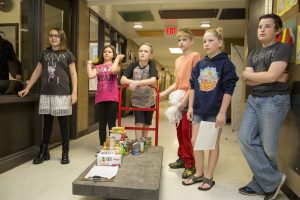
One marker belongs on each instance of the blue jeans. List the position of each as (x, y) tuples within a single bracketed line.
[(198, 118), (258, 139)]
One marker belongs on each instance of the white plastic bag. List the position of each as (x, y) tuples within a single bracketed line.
[(173, 114), (176, 96)]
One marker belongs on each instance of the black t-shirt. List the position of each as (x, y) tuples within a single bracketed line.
[(55, 75), (261, 59)]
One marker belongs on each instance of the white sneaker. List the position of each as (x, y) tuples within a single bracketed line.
[(272, 195)]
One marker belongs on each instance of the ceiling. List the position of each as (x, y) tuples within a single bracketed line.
[(156, 15)]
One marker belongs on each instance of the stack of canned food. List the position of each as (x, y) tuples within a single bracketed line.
[(134, 147), (125, 146)]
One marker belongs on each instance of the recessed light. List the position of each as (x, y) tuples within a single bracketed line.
[(175, 50), (138, 25), (205, 24)]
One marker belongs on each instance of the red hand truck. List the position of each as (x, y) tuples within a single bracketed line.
[(156, 109)]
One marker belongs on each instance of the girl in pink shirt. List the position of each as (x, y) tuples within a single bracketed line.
[(106, 98)]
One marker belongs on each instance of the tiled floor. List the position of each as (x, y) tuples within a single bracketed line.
[(53, 181)]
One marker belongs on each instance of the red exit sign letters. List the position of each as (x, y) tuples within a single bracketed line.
[(170, 30)]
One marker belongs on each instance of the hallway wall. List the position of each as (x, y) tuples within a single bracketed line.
[(82, 56), (289, 143)]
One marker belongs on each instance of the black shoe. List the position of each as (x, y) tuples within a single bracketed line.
[(43, 154), (246, 190), (65, 154), (273, 194)]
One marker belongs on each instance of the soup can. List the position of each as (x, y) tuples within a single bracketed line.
[(112, 142), (149, 142)]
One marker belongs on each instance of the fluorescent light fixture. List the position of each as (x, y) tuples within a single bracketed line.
[(205, 24), (175, 50), (138, 25)]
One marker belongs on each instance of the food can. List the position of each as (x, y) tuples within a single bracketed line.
[(142, 146), (127, 148), (145, 144), (112, 142), (130, 145), (136, 147), (121, 151), (149, 142)]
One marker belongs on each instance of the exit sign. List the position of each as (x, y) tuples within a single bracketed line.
[(170, 30)]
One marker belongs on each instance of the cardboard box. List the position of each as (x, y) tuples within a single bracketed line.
[(109, 158)]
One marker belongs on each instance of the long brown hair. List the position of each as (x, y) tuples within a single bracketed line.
[(101, 60), (63, 45)]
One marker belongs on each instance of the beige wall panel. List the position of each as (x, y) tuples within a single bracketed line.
[(82, 56), (289, 142), (235, 41)]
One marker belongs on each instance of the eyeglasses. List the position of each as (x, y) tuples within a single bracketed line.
[(53, 36)]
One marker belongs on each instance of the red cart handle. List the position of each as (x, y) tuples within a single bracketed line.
[(155, 109)]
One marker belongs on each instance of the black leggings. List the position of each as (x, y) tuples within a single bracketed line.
[(48, 123), (107, 112)]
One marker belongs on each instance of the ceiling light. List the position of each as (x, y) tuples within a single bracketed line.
[(175, 50), (205, 24), (138, 25)]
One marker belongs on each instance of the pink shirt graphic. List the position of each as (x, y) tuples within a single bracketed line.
[(107, 86)]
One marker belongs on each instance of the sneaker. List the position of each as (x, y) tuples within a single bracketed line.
[(188, 172), (177, 164), (273, 194), (246, 190)]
